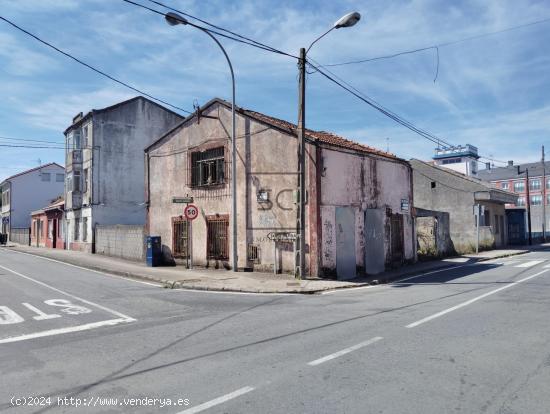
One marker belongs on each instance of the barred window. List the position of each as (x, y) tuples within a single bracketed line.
[(208, 167), (217, 240)]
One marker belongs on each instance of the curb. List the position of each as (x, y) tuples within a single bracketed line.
[(177, 284)]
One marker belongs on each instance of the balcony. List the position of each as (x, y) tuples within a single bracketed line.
[(74, 157), (74, 200)]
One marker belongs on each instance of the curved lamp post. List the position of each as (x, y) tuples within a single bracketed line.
[(347, 20), (173, 19)]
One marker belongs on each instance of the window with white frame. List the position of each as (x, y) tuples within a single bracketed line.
[(76, 229), (85, 229), (59, 178), (519, 186), (50, 229), (521, 201), (76, 181), (504, 185), (45, 177), (85, 182), (536, 200), (534, 184)]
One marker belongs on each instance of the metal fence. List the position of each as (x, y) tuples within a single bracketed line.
[(21, 235)]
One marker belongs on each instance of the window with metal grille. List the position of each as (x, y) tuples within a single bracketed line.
[(208, 167), (180, 238), (253, 253), (217, 240)]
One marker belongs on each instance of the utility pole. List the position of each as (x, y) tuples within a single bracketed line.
[(299, 247), (543, 197), (347, 20), (478, 213), (528, 196)]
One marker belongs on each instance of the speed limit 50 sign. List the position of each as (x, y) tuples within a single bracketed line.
[(191, 212)]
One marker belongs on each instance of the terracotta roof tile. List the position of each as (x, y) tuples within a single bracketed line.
[(322, 136)]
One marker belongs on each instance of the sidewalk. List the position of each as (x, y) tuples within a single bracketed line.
[(254, 282)]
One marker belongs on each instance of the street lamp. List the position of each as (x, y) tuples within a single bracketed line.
[(173, 19), (347, 20)]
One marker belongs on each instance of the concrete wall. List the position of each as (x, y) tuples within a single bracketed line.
[(453, 195), (124, 241), (363, 182), (117, 138), (20, 235), (266, 160)]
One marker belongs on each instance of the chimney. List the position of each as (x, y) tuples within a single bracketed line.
[(510, 163), (78, 117), (487, 165)]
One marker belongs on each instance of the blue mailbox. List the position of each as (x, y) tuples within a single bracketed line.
[(154, 251)]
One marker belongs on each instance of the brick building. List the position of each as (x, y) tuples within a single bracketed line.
[(508, 179)]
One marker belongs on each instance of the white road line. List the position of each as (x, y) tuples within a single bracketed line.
[(120, 315), (217, 401), (510, 262), (469, 302), (531, 263), (89, 270), (395, 281), (60, 331), (546, 266), (344, 351)]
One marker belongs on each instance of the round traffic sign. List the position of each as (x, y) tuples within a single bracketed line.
[(191, 212)]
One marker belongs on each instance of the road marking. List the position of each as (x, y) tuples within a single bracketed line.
[(469, 302), (89, 270), (344, 351), (60, 331), (106, 309), (217, 401), (531, 263), (342, 290)]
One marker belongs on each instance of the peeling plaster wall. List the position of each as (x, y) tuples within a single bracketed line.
[(267, 160), (362, 182)]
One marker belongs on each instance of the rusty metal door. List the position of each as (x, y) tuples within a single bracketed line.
[(180, 234), (217, 244), (345, 243), (374, 241), (396, 227)]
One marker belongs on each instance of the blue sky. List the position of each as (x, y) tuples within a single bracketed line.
[(492, 92)]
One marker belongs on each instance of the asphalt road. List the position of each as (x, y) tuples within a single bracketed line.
[(472, 339)]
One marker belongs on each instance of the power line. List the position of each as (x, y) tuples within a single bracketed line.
[(221, 28), (236, 39), (371, 102), (30, 146), (91, 67), (444, 44), (29, 140)]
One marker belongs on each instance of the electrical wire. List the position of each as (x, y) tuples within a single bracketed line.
[(438, 45), (263, 45), (30, 140), (30, 146), (91, 67), (250, 43), (371, 102)]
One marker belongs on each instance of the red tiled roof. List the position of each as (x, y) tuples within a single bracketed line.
[(322, 136)]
